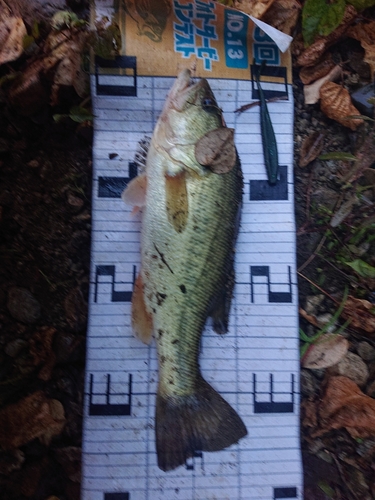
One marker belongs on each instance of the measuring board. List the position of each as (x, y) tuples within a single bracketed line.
[(255, 366)]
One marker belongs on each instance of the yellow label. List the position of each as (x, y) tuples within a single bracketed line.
[(213, 41)]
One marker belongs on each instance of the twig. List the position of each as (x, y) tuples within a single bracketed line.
[(313, 255), (245, 107), (318, 287)]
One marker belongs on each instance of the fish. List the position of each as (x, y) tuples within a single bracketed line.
[(190, 196)]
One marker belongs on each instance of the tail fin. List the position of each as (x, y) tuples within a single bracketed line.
[(203, 421)]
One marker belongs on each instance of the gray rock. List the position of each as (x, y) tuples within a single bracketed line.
[(366, 351), (313, 302), (22, 305), (352, 367), (14, 347), (308, 383)]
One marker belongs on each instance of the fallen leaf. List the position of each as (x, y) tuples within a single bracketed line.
[(283, 15), (216, 150), (327, 351), (344, 405), (321, 18), (339, 156), (343, 212), (42, 352), (363, 269), (309, 74), (361, 313), (312, 54), (365, 34), (35, 416), (12, 33), (308, 317), (256, 8), (312, 92), (336, 104), (311, 148)]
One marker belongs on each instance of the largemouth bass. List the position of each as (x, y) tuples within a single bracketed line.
[(190, 194)]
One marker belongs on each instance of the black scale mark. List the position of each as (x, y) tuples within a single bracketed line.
[(116, 296), (278, 72), (190, 463), (117, 496), (126, 67), (272, 406), (290, 492), (112, 187), (108, 408), (261, 190), (273, 297)]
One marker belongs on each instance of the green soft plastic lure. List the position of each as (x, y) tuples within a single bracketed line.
[(268, 135)]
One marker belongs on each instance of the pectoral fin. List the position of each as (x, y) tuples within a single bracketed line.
[(135, 192), (177, 200), (141, 319), (216, 150)]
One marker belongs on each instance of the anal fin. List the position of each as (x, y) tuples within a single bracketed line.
[(141, 319)]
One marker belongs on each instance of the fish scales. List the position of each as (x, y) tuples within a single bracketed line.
[(190, 219)]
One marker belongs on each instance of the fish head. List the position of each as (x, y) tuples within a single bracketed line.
[(190, 112)]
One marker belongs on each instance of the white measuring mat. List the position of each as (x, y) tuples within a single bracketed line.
[(255, 366)]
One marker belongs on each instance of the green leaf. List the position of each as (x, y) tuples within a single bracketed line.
[(321, 18), (361, 4), (80, 115), (325, 487), (27, 41), (35, 30), (362, 268), (337, 155)]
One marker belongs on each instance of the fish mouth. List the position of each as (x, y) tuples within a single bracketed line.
[(185, 90)]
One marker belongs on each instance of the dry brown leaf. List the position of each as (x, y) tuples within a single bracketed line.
[(63, 51), (312, 92), (336, 104), (309, 74), (359, 311), (312, 54), (216, 150), (365, 33), (308, 317), (345, 406), (311, 148), (283, 15), (256, 8), (35, 416), (327, 351), (12, 33)]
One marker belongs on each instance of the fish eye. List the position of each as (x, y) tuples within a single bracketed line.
[(209, 105)]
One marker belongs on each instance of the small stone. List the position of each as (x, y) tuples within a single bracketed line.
[(14, 347), (308, 383), (324, 319), (33, 164), (10, 461), (366, 351), (22, 305), (4, 145), (352, 367), (75, 201), (313, 302), (76, 309), (370, 390)]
